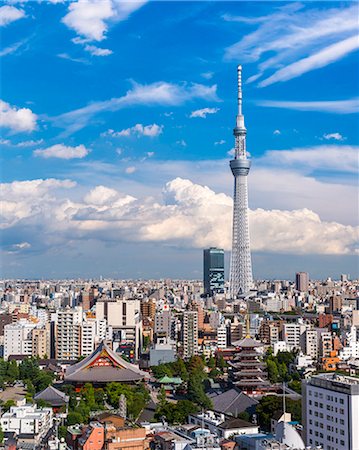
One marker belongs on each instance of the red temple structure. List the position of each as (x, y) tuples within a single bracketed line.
[(248, 373), (104, 366)]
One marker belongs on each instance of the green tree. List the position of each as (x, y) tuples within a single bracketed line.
[(221, 363), (180, 369), (196, 391), (1, 435), (74, 417), (8, 404), (272, 369), (62, 431), (176, 413), (211, 362), (162, 397), (12, 372)]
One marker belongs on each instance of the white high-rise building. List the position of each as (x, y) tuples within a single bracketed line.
[(190, 334), (222, 336), (330, 410), (18, 338), (240, 278), (124, 317), (88, 336), (69, 322), (292, 335)]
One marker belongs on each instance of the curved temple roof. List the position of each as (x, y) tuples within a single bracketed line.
[(104, 365)]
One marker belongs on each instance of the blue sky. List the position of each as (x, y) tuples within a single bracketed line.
[(116, 131)]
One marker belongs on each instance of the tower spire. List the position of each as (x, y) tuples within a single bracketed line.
[(239, 78), (241, 265)]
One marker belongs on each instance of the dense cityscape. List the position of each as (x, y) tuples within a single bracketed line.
[(226, 360), (174, 364)]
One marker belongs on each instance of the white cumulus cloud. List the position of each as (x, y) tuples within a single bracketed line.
[(62, 151), (9, 14), (91, 18), (203, 112), (188, 215), (17, 119)]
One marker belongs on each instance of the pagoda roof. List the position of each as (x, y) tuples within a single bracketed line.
[(52, 396), (104, 365), (247, 342)]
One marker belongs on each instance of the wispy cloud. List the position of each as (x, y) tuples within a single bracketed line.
[(322, 157), (159, 93), (295, 40), (334, 106), (334, 136), (138, 129), (97, 51), (320, 59), (71, 58), (202, 113), (12, 48)]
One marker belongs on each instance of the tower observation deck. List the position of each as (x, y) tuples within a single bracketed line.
[(241, 279)]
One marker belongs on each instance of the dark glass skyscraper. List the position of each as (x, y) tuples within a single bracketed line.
[(213, 270)]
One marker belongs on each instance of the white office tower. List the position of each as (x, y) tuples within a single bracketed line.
[(222, 336), (88, 336), (241, 279), (330, 410), (18, 338), (123, 316), (69, 333), (190, 334)]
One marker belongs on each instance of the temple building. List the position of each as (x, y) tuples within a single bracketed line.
[(247, 369), (103, 366), (53, 397)]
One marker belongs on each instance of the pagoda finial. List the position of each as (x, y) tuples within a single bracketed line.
[(248, 331)]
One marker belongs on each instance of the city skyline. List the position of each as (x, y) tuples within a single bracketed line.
[(116, 137)]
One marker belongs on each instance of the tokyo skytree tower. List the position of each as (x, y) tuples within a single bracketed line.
[(241, 279)]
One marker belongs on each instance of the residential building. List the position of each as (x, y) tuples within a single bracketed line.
[(124, 316), (30, 423), (330, 410), (41, 342), (190, 334), (88, 337), (302, 281), (69, 333), (18, 338)]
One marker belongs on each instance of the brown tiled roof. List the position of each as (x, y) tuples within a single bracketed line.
[(120, 370)]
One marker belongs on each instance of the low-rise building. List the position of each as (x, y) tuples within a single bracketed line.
[(29, 423)]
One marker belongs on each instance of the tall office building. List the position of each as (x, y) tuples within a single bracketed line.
[(330, 410), (302, 281), (241, 279), (190, 334), (213, 270), (69, 333), (124, 316)]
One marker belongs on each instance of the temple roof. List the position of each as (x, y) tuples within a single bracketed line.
[(104, 365), (247, 342), (52, 396)]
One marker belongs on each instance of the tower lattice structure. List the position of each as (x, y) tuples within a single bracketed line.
[(241, 279)]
